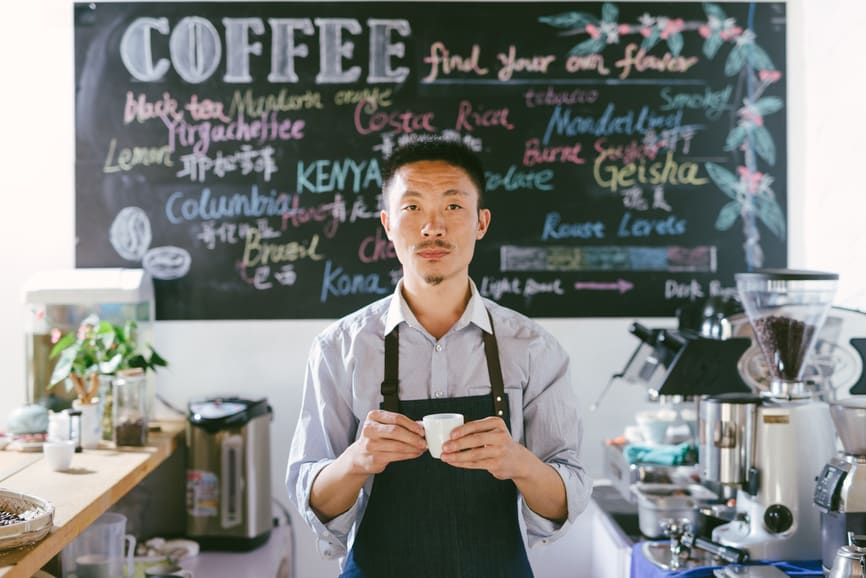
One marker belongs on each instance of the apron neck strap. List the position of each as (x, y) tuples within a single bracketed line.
[(391, 401)]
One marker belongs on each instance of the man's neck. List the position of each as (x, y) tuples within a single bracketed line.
[(437, 307)]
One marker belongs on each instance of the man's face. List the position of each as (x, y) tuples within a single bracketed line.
[(433, 221)]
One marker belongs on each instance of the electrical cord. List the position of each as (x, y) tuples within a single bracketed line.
[(288, 522)]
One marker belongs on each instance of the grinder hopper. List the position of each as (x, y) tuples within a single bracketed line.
[(786, 309)]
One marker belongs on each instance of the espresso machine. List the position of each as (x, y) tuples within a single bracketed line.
[(775, 444), (840, 491)]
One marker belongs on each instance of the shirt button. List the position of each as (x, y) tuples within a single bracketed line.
[(438, 347), (439, 394)]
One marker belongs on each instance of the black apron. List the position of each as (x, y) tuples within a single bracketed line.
[(427, 519)]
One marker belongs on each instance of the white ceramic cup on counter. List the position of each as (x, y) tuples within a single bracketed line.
[(437, 430), (58, 454)]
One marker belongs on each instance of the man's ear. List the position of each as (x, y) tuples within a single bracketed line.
[(483, 223), (383, 218)]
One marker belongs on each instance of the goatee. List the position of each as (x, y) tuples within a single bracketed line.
[(434, 279)]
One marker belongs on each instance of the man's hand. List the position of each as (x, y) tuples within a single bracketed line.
[(486, 444), (386, 437)]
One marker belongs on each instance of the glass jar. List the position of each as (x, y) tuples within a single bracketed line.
[(129, 409)]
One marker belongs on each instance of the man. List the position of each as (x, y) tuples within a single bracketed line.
[(358, 469)]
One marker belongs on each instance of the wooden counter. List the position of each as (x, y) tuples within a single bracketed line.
[(96, 480)]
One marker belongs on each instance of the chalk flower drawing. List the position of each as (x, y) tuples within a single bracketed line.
[(749, 189)]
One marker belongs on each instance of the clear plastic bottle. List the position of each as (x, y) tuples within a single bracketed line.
[(129, 412)]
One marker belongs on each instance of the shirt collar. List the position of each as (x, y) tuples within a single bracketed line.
[(476, 311)]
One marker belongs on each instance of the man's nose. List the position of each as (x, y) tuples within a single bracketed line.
[(434, 225)]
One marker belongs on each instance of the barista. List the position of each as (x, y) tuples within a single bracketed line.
[(358, 469)]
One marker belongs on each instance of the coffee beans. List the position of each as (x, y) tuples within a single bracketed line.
[(784, 342), (8, 518)]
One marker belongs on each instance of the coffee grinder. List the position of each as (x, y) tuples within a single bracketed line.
[(793, 433), (841, 489)]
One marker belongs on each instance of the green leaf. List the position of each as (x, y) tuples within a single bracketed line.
[(64, 366), (111, 365), (736, 137), (609, 12), (569, 20), (769, 105), (651, 40), (758, 58), (587, 47), (736, 60), (771, 214), (675, 43), (712, 44), (713, 10), (724, 179), (764, 145), (156, 359), (64, 342), (728, 216)]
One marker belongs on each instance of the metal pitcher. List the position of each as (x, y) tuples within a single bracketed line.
[(850, 561)]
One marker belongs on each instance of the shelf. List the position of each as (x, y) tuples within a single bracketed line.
[(97, 480)]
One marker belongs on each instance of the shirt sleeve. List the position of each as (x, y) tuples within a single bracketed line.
[(553, 431), (326, 426)]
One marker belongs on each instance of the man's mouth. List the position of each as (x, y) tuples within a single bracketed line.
[(433, 250)]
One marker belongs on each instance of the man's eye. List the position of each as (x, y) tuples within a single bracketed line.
[(454, 207), (410, 207)]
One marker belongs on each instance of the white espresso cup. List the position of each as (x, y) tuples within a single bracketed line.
[(437, 430), (58, 454)]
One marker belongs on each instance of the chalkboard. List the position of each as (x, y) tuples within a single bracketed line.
[(635, 152)]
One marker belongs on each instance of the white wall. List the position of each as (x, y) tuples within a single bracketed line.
[(826, 145)]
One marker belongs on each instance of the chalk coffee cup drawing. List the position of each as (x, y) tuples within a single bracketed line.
[(437, 430)]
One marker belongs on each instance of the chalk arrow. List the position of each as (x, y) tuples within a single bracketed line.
[(620, 285)]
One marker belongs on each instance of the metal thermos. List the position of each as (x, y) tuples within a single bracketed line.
[(726, 433), (228, 478)]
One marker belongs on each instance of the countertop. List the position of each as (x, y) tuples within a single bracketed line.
[(97, 479)]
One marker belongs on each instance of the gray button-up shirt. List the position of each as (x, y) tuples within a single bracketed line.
[(344, 375)]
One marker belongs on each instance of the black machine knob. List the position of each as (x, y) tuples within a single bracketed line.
[(778, 518)]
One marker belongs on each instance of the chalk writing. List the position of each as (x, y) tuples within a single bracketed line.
[(563, 123), (195, 49), (442, 62), (515, 179), (637, 60), (369, 119), (337, 283), (552, 97), (554, 228), (325, 176), (247, 161), (200, 136), (248, 104), (512, 63), (129, 158)]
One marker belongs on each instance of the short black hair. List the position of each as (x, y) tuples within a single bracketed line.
[(435, 149)]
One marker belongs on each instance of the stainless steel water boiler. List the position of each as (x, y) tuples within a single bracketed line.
[(228, 478)]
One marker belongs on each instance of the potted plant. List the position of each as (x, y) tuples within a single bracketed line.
[(98, 348)]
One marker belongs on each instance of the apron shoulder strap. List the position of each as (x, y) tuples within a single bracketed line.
[(392, 365), (494, 370)]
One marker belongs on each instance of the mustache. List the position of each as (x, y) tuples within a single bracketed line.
[(437, 243)]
